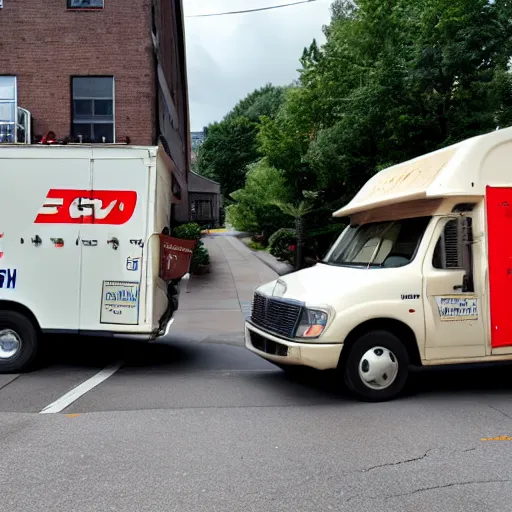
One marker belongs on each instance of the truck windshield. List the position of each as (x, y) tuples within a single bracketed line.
[(379, 244)]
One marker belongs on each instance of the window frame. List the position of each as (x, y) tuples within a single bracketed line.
[(72, 106), (84, 8), (328, 260), (14, 122)]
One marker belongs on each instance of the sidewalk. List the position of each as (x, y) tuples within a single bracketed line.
[(216, 304)]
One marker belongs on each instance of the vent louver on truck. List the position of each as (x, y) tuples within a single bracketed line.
[(453, 245)]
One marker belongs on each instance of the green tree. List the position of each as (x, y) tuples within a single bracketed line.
[(298, 212), (254, 209), (394, 80), (231, 144)]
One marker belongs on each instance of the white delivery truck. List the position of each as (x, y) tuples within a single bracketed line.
[(422, 275), (81, 245)]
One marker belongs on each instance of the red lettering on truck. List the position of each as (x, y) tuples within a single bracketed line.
[(64, 206)]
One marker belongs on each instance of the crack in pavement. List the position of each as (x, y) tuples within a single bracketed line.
[(432, 488), (500, 411), (387, 464), (10, 382)]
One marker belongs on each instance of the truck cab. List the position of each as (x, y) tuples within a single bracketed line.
[(421, 275)]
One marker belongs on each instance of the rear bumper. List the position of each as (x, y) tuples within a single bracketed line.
[(146, 336), (321, 356)]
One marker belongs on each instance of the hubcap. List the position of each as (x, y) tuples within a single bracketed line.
[(10, 344), (378, 368)]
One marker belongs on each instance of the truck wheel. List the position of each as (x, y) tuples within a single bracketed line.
[(18, 342), (377, 367)]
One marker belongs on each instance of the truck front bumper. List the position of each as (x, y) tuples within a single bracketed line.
[(321, 356)]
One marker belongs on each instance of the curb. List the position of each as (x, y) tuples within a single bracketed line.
[(279, 268)]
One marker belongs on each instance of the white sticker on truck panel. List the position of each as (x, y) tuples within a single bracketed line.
[(457, 307), (120, 303)]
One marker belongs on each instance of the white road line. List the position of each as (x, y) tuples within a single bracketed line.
[(73, 395)]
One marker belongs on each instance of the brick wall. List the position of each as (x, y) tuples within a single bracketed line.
[(43, 43), (172, 97)]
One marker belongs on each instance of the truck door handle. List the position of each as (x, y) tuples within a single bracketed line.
[(458, 287)]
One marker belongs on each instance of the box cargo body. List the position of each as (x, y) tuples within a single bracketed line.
[(80, 234)]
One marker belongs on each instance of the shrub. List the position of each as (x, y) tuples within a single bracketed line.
[(259, 239), (282, 244), (200, 256), (191, 231), (256, 246)]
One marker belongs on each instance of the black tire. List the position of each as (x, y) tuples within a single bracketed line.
[(350, 367), (27, 333)]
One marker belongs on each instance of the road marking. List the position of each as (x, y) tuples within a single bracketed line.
[(73, 395)]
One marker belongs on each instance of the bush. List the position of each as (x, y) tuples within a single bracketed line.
[(200, 256), (191, 231), (282, 244), (258, 239), (256, 246)]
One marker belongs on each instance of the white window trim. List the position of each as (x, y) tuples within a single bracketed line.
[(14, 122)]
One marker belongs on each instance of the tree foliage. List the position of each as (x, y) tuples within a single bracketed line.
[(231, 144), (394, 79), (255, 208)]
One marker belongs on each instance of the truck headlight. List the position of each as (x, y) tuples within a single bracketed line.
[(312, 323)]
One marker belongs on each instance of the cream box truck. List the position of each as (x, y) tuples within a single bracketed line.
[(422, 275)]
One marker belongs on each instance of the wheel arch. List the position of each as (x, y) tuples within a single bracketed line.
[(399, 329), (20, 308)]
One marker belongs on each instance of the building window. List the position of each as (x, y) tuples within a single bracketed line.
[(85, 4), (93, 109), (8, 108)]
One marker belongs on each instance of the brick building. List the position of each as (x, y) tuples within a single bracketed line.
[(97, 71)]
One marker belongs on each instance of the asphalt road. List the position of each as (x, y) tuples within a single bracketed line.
[(198, 427)]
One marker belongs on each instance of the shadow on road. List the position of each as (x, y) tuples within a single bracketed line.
[(183, 356), (461, 380)]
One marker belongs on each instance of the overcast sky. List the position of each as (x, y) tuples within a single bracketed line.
[(230, 56)]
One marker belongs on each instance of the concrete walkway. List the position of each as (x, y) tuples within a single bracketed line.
[(216, 304)]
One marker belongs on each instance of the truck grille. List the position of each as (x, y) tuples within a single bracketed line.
[(276, 315)]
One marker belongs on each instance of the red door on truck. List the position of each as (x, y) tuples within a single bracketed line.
[(499, 236)]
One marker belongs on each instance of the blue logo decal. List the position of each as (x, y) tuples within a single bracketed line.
[(8, 278), (132, 264)]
